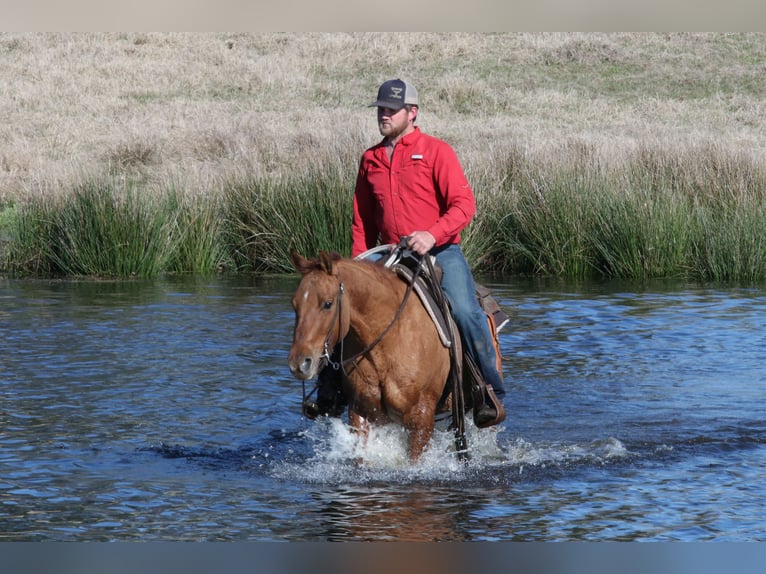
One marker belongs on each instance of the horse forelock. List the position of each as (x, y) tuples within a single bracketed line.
[(320, 277)]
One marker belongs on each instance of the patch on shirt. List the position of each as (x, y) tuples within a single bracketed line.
[(416, 156)]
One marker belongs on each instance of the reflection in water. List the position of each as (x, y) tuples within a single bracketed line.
[(386, 513), (164, 410)]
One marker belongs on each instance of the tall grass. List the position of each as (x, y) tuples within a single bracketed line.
[(108, 228), (310, 211), (100, 230), (200, 229), (700, 214), (105, 228)]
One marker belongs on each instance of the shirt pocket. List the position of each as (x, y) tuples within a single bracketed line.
[(416, 164)]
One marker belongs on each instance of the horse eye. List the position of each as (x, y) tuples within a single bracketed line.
[(327, 304)]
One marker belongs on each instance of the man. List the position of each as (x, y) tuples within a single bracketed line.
[(412, 185)]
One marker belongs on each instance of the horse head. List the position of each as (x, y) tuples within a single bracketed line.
[(321, 319)]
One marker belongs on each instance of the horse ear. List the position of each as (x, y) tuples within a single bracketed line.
[(301, 264), (327, 261)]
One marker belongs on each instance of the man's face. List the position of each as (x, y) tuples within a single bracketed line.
[(393, 123)]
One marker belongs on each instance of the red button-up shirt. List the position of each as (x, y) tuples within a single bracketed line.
[(422, 188)]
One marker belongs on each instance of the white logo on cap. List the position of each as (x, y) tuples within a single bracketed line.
[(396, 91)]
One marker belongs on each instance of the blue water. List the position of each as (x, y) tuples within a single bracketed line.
[(164, 410)]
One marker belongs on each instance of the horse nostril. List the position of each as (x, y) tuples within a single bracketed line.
[(302, 366)]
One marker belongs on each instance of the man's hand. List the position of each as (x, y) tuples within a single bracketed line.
[(421, 242)]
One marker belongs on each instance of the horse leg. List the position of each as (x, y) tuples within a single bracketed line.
[(361, 427), (420, 425)]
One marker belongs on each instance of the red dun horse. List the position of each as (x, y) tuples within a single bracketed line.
[(401, 377)]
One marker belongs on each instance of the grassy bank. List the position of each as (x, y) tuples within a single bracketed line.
[(105, 228), (630, 155), (701, 215), (698, 216)]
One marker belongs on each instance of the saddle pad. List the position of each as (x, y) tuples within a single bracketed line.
[(424, 292)]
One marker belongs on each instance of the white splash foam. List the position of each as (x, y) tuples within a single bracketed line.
[(339, 455), (522, 452)]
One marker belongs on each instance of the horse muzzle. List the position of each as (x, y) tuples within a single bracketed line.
[(304, 367)]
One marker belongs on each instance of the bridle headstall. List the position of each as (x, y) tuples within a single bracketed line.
[(341, 363)]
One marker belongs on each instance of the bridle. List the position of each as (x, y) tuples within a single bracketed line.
[(341, 363), (337, 319)]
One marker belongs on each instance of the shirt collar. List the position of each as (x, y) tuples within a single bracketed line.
[(406, 140)]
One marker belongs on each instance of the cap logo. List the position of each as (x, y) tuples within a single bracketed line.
[(394, 94)]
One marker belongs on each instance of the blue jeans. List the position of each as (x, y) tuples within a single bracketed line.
[(459, 288)]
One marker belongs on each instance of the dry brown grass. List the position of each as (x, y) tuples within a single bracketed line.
[(197, 109)]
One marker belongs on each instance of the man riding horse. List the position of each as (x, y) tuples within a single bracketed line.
[(412, 185)]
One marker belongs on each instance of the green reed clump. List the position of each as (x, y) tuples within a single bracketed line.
[(530, 219), (31, 234), (21, 239), (99, 229), (199, 239), (106, 228), (714, 200), (310, 211), (731, 245), (482, 242), (636, 235), (553, 224), (111, 228), (102, 229), (698, 215)]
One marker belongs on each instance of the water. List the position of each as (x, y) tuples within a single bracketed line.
[(164, 410)]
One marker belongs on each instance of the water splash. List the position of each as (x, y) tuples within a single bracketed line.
[(339, 456)]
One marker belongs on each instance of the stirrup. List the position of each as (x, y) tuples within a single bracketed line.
[(490, 411)]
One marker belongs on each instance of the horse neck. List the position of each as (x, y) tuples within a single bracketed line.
[(373, 296)]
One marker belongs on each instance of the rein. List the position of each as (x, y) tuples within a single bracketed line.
[(455, 375), (341, 364)]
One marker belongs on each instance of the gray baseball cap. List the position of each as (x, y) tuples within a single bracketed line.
[(395, 94)]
